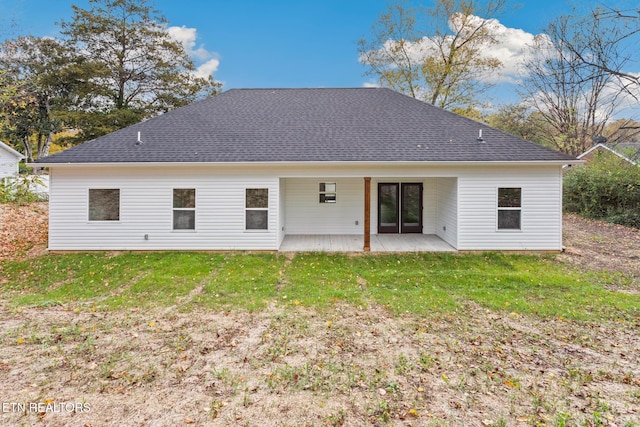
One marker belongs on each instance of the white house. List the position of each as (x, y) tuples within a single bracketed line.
[(9, 159), (257, 169), (617, 150)]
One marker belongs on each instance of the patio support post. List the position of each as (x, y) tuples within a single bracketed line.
[(367, 214)]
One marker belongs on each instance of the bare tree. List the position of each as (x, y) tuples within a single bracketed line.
[(574, 101), (605, 42), (436, 54)]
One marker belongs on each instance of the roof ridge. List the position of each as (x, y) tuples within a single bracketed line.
[(301, 88)]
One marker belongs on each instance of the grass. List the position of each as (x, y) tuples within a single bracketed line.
[(410, 283)]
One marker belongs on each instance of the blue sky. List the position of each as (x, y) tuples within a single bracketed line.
[(271, 43)]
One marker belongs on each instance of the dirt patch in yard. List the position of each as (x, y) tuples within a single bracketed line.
[(23, 229), (341, 366), (291, 365), (597, 246)]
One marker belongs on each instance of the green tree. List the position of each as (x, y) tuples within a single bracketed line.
[(35, 73), (519, 120), (132, 68), (436, 54)]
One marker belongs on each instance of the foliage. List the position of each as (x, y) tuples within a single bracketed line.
[(39, 73), (443, 66), (135, 70), (21, 189), (114, 66), (607, 188), (520, 121)]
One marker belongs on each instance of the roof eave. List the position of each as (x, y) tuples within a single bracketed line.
[(10, 150), (314, 163)]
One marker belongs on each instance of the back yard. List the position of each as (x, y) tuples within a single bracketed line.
[(323, 340)]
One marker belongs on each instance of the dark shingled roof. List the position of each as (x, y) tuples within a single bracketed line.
[(307, 125)]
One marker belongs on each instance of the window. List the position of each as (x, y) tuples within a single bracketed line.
[(327, 192), (104, 204), (256, 208), (184, 209), (509, 208)]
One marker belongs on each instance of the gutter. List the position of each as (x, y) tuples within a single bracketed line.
[(315, 164)]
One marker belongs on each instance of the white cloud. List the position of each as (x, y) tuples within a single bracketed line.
[(187, 37), (370, 84), (513, 45), (511, 49), (207, 62), (208, 68)]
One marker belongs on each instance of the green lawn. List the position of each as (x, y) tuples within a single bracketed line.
[(410, 283)]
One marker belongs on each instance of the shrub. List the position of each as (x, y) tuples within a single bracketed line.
[(608, 188), (21, 189)]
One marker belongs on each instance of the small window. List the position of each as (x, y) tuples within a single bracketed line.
[(104, 205), (184, 209), (327, 192), (509, 208), (256, 208)]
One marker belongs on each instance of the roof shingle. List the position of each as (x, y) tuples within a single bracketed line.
[(307, 125)]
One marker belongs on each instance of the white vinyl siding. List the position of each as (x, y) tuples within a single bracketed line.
[(305, 215), (146, 209), (460, 198), (447, 209), (429, 206), (8, 163), (541, 220)]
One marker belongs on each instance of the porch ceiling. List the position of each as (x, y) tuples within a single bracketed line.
[(354, 243)]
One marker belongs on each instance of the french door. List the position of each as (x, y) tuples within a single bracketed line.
[(400, 207)]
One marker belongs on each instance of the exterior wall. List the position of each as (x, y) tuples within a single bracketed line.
[(8, 163), (461, 198), (541, 220), (306, 215), (447, 210), (146, 196)]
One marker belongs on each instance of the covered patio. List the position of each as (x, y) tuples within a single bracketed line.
[(354, 243)]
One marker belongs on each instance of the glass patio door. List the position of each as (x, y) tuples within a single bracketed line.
[(411, 207), (388, 208), (400, 207)]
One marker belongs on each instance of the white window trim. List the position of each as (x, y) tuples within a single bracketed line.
[(498, 209), (335, 193), (244, 222), (195, 213), (114, 221)]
